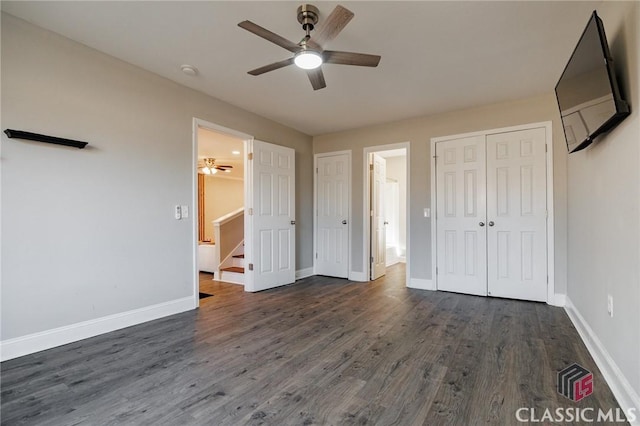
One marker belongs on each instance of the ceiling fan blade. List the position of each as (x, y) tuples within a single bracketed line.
[(316, 77), (350, 58), (271, 67), (270, 36), (331, 27), (222, 166)]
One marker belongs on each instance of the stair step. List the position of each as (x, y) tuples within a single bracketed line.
[(239, 256), (235, 269)]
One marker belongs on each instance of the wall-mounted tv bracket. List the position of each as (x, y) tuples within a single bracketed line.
[(19, 134)]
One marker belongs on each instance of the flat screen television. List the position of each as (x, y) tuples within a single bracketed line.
[(587, 92)]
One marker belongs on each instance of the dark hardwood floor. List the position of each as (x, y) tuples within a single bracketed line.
[(324, 351)]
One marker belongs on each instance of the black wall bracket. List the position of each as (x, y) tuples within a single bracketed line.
[(19, 134)]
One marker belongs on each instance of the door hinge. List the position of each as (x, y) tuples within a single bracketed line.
[(370, 166), (545, 147), (250, 266), (316, 170), (316, 255), (250, 156), (371, 213), (547, 279), (436, 270), (250, 212), (372, 260)]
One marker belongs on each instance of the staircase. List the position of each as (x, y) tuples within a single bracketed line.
[(234, 273), (229, 235)]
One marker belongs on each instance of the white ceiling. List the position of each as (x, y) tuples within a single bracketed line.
[(436, 56)]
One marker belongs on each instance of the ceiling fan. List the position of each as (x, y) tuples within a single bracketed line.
[(309, 53), (209, 167)]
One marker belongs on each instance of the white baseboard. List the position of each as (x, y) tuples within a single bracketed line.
[(626, 396), (36, 342), (559, 300), (421, 284), (304, 273), (358, 276)]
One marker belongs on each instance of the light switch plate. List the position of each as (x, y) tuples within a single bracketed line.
[(427, 212), (184, 211), (177, 212)]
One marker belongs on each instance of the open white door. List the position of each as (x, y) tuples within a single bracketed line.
[(271, 218), (332, 216), (378, 232)]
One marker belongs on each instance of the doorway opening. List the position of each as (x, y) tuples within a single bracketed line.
[(386, 209), (219, 199)]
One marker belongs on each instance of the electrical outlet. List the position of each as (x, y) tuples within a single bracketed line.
[(610, 305)]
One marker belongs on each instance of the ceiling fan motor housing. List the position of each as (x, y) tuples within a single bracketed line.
[(308, 16)]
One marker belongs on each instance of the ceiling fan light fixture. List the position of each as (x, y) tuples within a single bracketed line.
[(206, 170), (308, 59)]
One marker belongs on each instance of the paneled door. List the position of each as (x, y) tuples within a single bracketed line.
[(378, 176), (271, 217), (332, 215), (491, 215), (461, 216), (517, 215)]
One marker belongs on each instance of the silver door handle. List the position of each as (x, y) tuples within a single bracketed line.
[(481, 224), (293, 222), (386, 223), (491, 223), (344, 222)]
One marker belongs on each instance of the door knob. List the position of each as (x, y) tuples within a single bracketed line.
[(344, 222), (386, 223), (293, 222), (491, 223), (481, 224)]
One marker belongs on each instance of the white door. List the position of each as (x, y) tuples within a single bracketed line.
[(460, 214), (378, 231), (332, 215), (272, 217), (517, 215)]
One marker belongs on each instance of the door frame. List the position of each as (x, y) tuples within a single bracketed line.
[(552, 298), (248, 141), (348, 153), (366, 222)]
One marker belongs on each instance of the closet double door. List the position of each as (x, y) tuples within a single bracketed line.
[(491, 215)]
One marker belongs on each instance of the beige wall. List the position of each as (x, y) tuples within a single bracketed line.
[(604, 211), (418, 132), (92, 232), (221, 196)]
